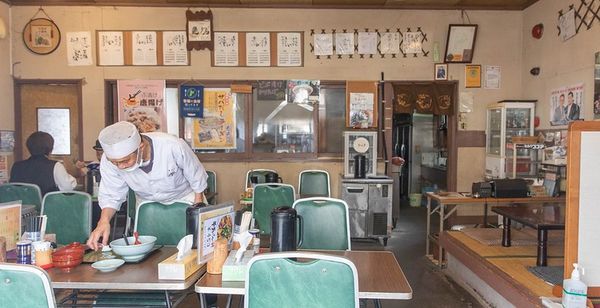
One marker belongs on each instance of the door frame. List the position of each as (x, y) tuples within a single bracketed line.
[(18, 83)]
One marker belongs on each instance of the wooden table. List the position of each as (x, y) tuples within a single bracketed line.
[(540, 217), (130, 276), (379, 277), (454, 198)]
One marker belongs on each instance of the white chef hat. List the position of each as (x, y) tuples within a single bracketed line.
[(119, 140)]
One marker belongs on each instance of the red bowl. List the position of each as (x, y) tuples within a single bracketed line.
[(68, 257)]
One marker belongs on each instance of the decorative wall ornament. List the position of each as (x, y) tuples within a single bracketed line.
[(41, 35), (199, 29), (586, 14)]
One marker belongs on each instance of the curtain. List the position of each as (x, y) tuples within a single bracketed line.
[(428, 98)]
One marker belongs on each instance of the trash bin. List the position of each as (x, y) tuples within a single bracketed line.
[(415, 200)]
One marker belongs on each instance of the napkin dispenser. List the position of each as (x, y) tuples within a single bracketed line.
[(172, 269)]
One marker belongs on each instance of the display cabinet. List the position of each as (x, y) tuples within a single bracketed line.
[(524, 166), (506, 119)]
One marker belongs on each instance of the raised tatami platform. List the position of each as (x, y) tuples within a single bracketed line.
[(502, 269)]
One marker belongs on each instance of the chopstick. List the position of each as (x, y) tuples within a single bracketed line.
[(125, 238)]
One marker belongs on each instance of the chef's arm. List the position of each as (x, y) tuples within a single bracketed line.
[(199, 197), (102, 229)]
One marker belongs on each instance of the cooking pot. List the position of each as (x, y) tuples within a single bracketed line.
[(283, 229), (272, 177)]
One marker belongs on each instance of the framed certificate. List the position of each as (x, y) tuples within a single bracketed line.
[(460, 43)]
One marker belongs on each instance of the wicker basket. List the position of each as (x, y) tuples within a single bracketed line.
[(524, 139)]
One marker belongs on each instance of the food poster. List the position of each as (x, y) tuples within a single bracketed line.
[(10, 223), (214, 225), (142, 102), (217, 129)]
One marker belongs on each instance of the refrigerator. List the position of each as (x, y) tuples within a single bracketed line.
[(401, 147)]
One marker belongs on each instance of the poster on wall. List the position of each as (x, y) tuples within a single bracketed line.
[(217, 129), (79, 48), (141, 102), (174, 48), (258, 49), (390, 43), (362, 106), (144, 48), (110, 48), (226, 49), (191, 100), (566, 104), (289, 49), (7, 140)]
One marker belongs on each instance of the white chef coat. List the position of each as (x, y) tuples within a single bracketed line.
[(176, 173)]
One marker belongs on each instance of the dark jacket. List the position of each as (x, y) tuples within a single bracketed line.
[(38, 170)]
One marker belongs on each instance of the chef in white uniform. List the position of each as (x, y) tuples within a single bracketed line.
[(156, 166)]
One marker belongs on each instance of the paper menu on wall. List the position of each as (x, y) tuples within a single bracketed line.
[(174, 48), (10, 223), (258, 49), (214, 223), (144, 48), (110, 48), (289, 49), (226, 49)]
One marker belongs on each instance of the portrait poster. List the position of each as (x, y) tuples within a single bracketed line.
[(10, 228), (362, 106), (226, 49), (144, 48), (110, 48), (566, 104), (142, 102), (174, 48), (472, 76), (191, 101), (79, 48), (216, 130), (213, 225)]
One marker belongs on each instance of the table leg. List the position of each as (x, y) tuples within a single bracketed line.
[(485, 214), (228, 304), (202, 298), (428, 225), (542, 247), (167, 299), (506, 231)]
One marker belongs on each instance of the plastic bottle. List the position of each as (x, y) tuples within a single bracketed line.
[(574, 290)]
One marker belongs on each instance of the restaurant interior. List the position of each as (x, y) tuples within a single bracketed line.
[(299, 153)]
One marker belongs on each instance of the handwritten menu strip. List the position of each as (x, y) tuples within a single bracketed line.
[(251, 49), (271, 90), (141, 48)]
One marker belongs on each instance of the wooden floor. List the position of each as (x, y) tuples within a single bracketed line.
[(503, 268)]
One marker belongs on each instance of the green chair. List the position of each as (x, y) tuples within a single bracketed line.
[(28, 194), (259, 173), (69, 215), (326, 223), (165, 221), (265, 198), (319, 280), (314, 183), (211, 190), (25, 286)]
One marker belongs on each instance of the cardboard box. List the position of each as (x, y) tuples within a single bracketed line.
[(233, 271), (171, 269)]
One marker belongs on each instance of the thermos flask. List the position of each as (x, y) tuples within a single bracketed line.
[(360, 166), (192, 214), (283, 229)]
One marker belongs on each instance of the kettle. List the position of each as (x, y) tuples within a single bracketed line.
[(283, 229), (272, 177), (360, 166)]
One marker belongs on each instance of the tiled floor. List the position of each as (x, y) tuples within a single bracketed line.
[(430, 287)]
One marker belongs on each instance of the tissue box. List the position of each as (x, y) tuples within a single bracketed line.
[(179, 270), (233, 271)]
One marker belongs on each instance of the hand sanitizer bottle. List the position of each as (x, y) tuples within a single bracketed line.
[(574, 293)]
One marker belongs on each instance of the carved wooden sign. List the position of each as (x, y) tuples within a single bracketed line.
[(199, 30)]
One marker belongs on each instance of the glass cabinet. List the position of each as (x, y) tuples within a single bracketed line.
[(505, 120)]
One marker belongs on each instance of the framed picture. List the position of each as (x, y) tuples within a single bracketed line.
[(41, 36), (199, 30), (473, 76), (460, 43), (440, 71)]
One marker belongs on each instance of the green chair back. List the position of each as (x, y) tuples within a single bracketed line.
[(326, 223), (314, 183), (25, 286), (265, 198), (69, 215), (275, 280), (259, 173), (212, 187), (28, 194), (165, 221)]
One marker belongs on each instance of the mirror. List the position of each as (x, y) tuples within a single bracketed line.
[(597, 87)]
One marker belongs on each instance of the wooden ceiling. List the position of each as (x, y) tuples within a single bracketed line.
[(343, 4)]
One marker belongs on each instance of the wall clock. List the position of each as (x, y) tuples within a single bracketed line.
[(41, 36)]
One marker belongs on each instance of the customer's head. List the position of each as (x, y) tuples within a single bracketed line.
[(98, 148), (40, 143)]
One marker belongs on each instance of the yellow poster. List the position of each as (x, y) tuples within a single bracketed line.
[(216, 130), (10, 223)]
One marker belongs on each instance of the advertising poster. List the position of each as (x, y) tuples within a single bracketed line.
[(7, 140), (191, 100), (216, 130), (142, 102), (566, 104)]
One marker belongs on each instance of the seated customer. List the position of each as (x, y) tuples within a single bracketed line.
[(38, 169)]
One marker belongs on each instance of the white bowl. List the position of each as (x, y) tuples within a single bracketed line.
[(133, 252), (107, 266)]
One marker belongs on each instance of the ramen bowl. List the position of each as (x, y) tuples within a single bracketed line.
[(133, 252)]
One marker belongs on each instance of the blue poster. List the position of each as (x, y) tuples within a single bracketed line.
[(191, 100)]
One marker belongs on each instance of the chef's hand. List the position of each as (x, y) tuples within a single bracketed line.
[(198, 197), (102, 230)]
